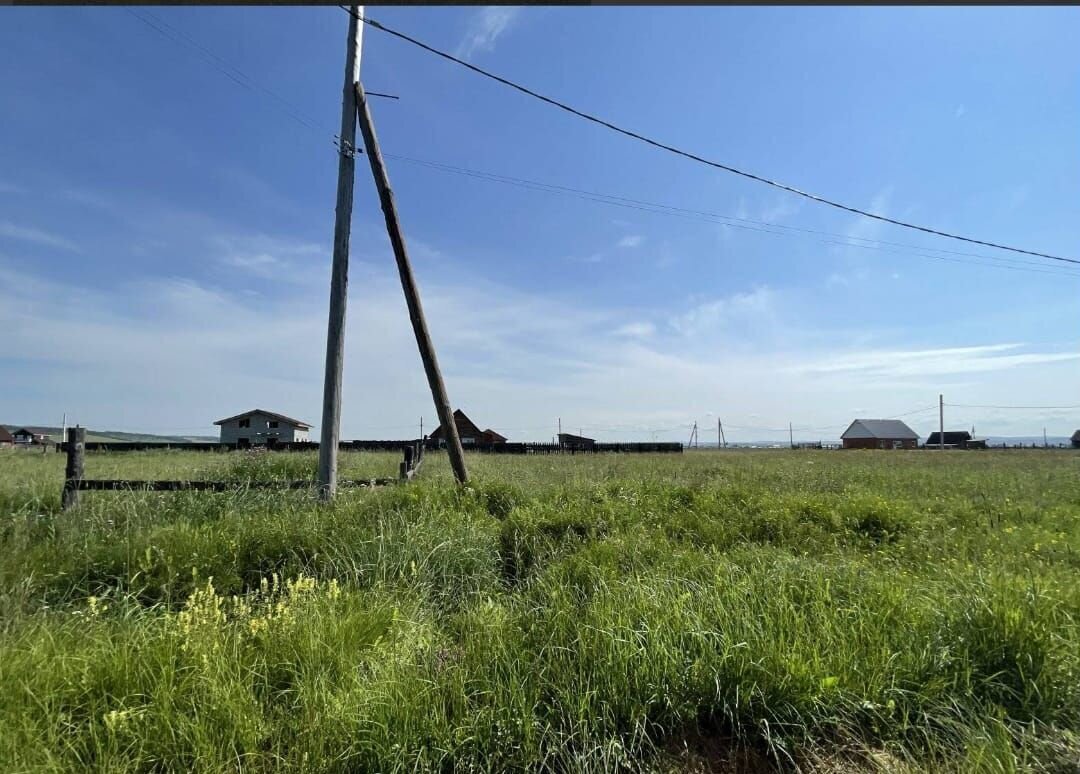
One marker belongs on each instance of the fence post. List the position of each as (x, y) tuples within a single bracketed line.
[(73, 472)]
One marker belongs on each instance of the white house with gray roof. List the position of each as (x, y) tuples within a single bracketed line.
[(879, 434), (260, 427)]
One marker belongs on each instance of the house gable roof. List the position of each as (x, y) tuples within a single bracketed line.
[(5, 435), (274, 415), (465, 427), (953, 437), (886, 429), (571, 438)]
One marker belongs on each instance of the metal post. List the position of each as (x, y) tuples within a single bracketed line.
[(339, 275), (73, 472), (412, 292)]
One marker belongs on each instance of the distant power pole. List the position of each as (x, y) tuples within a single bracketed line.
[(941, 422), (1045, 445), (339, 273), (790, 435), (421, 428), (720, 427)]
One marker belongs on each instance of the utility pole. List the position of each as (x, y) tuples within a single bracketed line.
[(790, 435), (720, 427), (560, 425), (412, 292), (421, 428), (329, 433), (1045, 445), (941, 422)]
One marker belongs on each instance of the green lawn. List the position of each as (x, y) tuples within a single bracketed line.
[(712, 611)]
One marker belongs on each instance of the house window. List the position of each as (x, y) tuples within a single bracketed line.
[(244, 423), (272, 424)]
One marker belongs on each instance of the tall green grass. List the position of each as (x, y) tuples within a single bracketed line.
[(821, 611)]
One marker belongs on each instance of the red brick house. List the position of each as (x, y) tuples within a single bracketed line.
[(879, 434), (468, 432)]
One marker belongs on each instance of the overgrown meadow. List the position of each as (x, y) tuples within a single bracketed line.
[(716, 611)]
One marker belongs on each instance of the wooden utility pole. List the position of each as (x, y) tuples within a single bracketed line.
[(412, 292), (790, 436), (941, 422), (329, 432)]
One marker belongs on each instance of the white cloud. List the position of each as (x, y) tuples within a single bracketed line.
[(756, 306), (960, 110), (632, 240), (933, 362), (636, 330), (486, 27), (269, 257), (173, 354), (35, 236)]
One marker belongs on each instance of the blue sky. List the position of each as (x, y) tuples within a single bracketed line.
[(165, 231)]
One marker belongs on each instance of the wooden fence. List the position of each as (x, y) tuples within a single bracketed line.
[(74, 482), (484, 448)]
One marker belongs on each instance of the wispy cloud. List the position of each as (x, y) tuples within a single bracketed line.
[(960, 111), (636, 330), (934, 362), (486, 27), (753, 307), (627, 242), (35, 236), (10, 188), (273, 258), (512, 358)]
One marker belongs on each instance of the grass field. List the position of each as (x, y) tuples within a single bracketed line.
[(712, 611)]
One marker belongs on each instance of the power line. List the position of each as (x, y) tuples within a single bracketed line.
[(916, 411), (238, 76), (1023, 408), (232, 71), (1017, 264), (693, 156)]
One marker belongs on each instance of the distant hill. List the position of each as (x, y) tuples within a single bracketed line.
[(114, 436)]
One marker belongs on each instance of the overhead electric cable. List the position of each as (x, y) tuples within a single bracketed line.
[(693, 156)]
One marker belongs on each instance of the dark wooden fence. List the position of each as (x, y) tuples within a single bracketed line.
[(485, 448), (76, 447)]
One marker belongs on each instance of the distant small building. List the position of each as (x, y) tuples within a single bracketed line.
[(879, 434), (576, 442), (260, 427), (29, 437), (1076, 440), (6, 438), (469, 433), (954, 439)]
